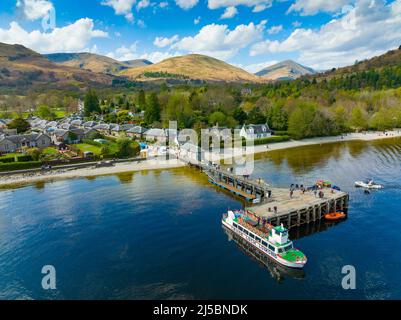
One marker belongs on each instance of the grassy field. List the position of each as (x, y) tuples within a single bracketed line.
[(10, 155), (88, 148), (50, 151)]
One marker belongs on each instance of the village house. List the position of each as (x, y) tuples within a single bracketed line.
[(136, 132), (253, 132), (190, 152), (16, 142), (156, 135), (8, 132), (103, 128)]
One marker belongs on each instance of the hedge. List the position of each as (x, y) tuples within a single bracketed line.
[(19, 166), (281, 133), (24, 158), (7, 159), (274, 139)]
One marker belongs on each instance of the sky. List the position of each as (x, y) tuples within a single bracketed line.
[(251, 34)]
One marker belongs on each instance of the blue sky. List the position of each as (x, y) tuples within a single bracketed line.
[(248, 33)]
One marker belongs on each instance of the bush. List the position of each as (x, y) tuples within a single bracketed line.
[(127, 148), (274, 139), (281, 133), (19, 166), (24, 158), (7, 159)]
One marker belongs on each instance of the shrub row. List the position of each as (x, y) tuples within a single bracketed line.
[(21, 158), (19, 165), (7, 159), (281, 133), (274, 139)]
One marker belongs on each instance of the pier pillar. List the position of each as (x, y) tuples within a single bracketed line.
[(314, 213), (299, 218)]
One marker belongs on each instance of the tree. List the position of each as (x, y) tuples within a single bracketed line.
[(299, 123), (91, 103), (45, 112), (127, 148), (256, 116), (20, 124), (277, 117), (142, 100), (340, 118), (152, 112), (240, 115), (35, 153), (358, 119), (217, 118)]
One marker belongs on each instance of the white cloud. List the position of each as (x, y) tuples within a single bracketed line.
[(370, 28), (275, 29), (308, 7), (71, 38), (256, 67), (257, 5), (197, 20), (229, 13), (35, 9), (186, 4), (131, 53), (121, 7), (218, 41), (165, 42), (142, 4), (296, 24)]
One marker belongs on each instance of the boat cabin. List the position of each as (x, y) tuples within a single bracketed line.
[(279, 235)]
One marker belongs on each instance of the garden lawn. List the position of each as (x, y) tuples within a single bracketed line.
[(88, 148)]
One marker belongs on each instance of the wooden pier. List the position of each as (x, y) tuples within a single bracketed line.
[(302, 208), (275, 205), (256, 191)]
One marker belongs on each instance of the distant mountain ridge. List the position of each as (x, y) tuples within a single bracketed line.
[(192, 67), (21, 67), (94, 62), (285, 70)]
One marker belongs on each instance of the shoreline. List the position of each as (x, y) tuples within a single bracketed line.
[(157, 164)]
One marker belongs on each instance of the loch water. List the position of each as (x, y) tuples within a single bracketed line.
[(158, 234)]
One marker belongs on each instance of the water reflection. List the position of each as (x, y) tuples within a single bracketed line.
[(277, 271), (126, 177)]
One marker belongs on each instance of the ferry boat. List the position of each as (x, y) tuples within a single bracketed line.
[(272, 241)]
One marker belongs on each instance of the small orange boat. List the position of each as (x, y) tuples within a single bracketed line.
[(335, 216)]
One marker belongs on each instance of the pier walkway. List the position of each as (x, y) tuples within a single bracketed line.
[(275, 205)]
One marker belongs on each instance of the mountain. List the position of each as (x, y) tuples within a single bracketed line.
[(387, 60), (22, 68), (192, 67), (95, 62), (286, 70), (137, 63)]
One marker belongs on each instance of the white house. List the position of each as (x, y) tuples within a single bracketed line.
[(253, 132)]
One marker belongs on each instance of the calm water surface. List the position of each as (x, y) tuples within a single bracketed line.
[(157, 234)]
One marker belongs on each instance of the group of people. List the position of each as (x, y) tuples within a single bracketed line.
[(317, 190), (294, 187)]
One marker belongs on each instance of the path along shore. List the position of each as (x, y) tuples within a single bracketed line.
[(159, 164)]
